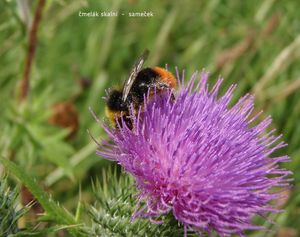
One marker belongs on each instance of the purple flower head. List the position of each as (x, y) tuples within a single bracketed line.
[(201, 159)]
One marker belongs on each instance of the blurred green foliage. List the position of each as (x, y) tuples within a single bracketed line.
[(255, 44)]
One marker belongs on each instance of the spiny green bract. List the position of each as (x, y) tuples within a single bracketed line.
[(111, 214), (9, 215)]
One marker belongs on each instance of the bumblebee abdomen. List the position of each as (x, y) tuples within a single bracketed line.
[(166, 77)]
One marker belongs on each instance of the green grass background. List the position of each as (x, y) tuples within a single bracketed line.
[(255, 44)]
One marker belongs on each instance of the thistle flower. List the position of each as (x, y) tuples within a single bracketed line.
[(201, 159)]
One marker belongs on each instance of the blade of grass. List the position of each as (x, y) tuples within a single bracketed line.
[(108, 35), (285, 58), (163, 34), (282, 91), (263, 10)]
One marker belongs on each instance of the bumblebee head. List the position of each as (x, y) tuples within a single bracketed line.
[(114, 101)]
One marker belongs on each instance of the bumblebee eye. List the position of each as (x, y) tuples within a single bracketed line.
[(128, 101)]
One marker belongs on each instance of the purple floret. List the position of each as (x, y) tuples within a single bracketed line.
[(201, 159)]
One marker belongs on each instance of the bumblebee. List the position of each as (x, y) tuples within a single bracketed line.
[(140, 82)]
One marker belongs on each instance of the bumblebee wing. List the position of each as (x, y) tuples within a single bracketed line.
[(133, 74)]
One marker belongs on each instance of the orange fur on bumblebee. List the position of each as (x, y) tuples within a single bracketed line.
[(135, 89)]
